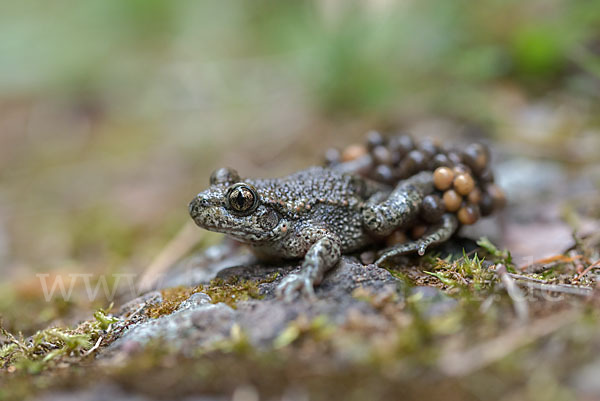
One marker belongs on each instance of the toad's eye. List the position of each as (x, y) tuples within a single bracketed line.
[(242, 198)]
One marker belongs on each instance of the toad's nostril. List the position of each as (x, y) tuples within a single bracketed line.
[(197, 204), (192, 207)]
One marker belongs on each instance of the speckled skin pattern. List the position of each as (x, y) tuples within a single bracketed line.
[(316, 214)]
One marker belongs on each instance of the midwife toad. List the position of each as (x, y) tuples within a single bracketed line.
[(322, 212)]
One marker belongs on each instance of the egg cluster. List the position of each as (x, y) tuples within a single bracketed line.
[(463, 180)]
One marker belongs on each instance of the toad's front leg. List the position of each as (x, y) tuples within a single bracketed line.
[(324, 253)]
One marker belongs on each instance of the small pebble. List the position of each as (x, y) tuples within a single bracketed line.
[(382, 155), (468, 214), (332, 156), (474, 196), (443, 178), (368, 257), (464, 184), (374, 139), (452, 200), (353, 152), (432, 209)]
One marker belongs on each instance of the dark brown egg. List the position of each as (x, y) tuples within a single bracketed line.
[(474, 196), (486, 204), (432, 208), (486, 175), (383, 173), (374, 139), (395, 156), (353, 152), (452, 200), (454, 157), (382, 155), (464, 184), (428, 147), (440, 160), (461, 168), (443, 178), (475, 157), (402, 144), (468, 214), (498, 197), (414, 161)]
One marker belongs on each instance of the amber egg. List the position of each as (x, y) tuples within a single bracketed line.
[(443, 178), (468, 214), (353, 152), (452, 200), (464, 183)]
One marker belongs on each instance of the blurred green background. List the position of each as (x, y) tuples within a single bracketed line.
[(114, 112)]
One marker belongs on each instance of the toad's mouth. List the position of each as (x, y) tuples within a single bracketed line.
[(237, 232)]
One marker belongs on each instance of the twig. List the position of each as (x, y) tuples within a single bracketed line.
[(543, 285), (94, 348), (547, 263), (587, 270), (562, 288), (577, 262), (515, 294), (526, 278)]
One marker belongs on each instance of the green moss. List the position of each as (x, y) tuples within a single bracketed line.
[(54, 345), (234, 289), (172, 298), (229, 291), (498, 256), (463, 274)]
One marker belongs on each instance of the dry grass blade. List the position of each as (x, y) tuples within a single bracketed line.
[(588, 269), (515, 294), (559, 288), (546, 263), (182, 243)]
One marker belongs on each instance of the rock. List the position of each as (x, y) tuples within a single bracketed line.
[(111, 392), (585, 380), (199, 322), (196, 299), (136, 304)]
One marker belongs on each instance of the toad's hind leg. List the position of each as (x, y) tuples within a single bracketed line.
[(439, 234), (401, 206)]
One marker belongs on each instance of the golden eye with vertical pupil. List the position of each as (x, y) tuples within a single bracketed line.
[(241, 198)]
